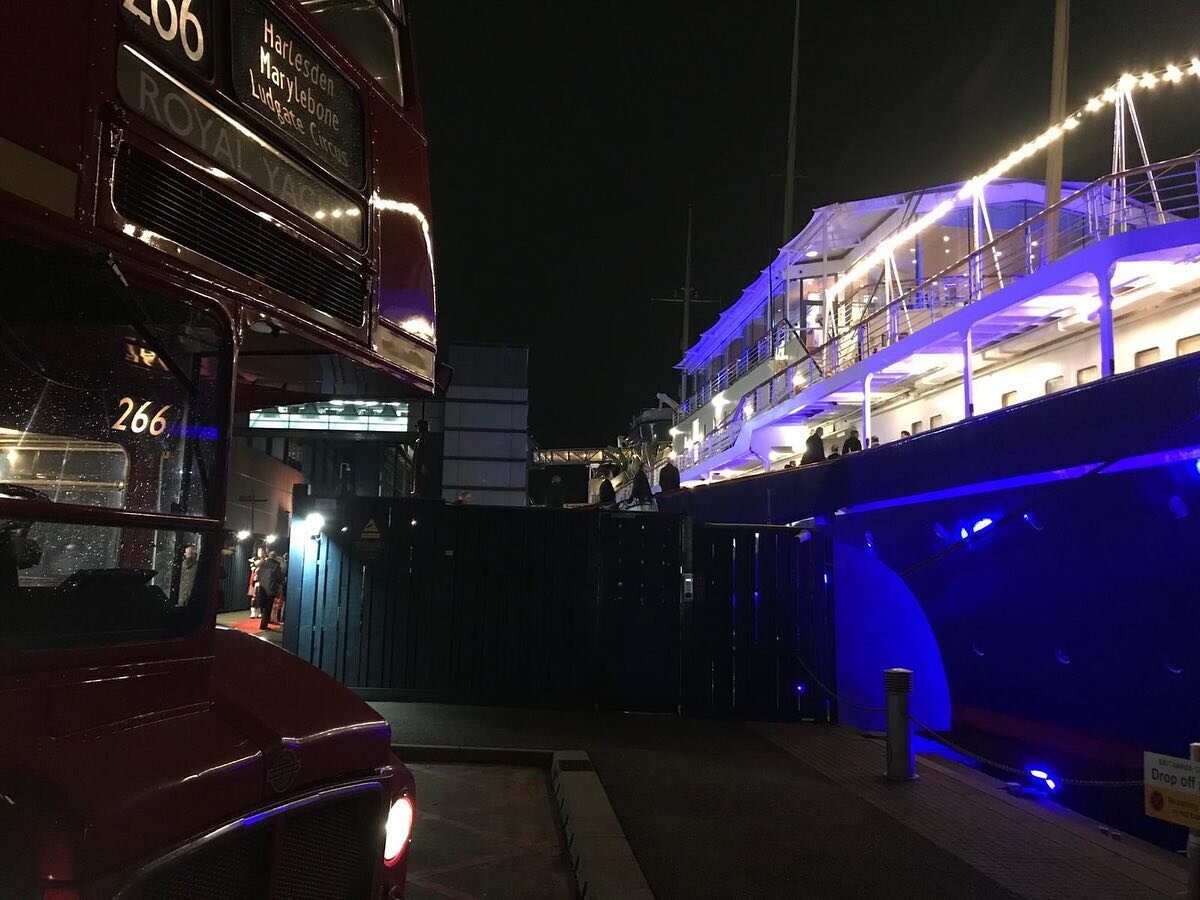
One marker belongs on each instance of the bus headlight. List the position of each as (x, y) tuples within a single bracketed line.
[(397, 831)]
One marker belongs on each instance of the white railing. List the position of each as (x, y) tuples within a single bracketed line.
[(751, 358)]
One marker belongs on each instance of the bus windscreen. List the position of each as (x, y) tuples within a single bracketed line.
[(111, 402)]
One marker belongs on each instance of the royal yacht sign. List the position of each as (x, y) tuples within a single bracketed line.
[(148, 90), (294, 88), (1172, 788)]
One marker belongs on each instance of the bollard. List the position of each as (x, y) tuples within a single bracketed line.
[(1193, 844), (897, 686)]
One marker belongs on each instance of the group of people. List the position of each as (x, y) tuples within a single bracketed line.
[(640, 492), (268, 587), (814, 447)]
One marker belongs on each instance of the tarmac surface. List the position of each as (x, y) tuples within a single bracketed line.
[(486, 831), (715, 809)]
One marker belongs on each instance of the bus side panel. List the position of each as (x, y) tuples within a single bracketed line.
[(405, 290), (43, 106)]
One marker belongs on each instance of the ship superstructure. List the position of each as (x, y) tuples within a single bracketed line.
[(1000, 301)]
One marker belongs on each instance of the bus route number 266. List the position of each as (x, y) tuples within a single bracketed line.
[(137, 418), (174, 21)]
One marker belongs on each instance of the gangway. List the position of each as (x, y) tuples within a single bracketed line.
[(585, 456)]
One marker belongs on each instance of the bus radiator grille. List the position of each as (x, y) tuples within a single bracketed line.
[(322, 852), (157, 197)]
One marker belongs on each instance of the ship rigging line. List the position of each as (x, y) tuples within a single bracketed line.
[(1120, 90)]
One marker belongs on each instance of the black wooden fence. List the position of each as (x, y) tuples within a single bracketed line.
[(639, 615), (403, 599), (761, 624)]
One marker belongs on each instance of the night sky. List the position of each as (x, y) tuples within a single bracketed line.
[(568, 137)]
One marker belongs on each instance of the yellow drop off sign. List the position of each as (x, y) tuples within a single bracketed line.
[(1172, 789)]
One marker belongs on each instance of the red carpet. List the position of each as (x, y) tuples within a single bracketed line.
[(252, 625)]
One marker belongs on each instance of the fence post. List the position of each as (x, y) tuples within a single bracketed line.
[(897, 686), (1193, 845), (687, 598)]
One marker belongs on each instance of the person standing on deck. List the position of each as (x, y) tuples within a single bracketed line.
[(641, 487), (814, 448), (555, 494), (608, 494), (668, 477)]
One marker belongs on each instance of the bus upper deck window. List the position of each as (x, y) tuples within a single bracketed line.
[(368, 34)]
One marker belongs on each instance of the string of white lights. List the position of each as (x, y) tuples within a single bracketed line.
[(1125, 85)]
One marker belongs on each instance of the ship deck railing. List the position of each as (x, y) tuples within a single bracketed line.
[(1129, 200)]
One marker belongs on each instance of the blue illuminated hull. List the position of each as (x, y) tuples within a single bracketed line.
[(1067, 614)]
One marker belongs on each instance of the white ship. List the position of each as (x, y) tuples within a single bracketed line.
[(1024, 536), (896, 315)]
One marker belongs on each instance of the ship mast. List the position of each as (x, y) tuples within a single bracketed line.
[(789, 175), (789, 182), (1058, 112)]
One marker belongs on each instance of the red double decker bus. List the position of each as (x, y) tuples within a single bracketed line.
[(206, 206)]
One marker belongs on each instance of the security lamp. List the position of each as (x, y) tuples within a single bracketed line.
[(313, 523)]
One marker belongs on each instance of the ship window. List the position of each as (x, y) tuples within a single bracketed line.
[(1008, 399), (1147, 357), (935, 421), (1187, 345), (1085, 376), (1055, 384), (917, 427)]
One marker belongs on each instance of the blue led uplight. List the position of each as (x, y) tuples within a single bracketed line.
[(978, 526), (1043, 776)]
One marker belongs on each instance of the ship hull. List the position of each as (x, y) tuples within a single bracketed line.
[(1038, 567)]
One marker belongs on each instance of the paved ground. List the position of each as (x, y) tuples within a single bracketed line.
[(1035, 848), (715, 810), (486, 831)]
